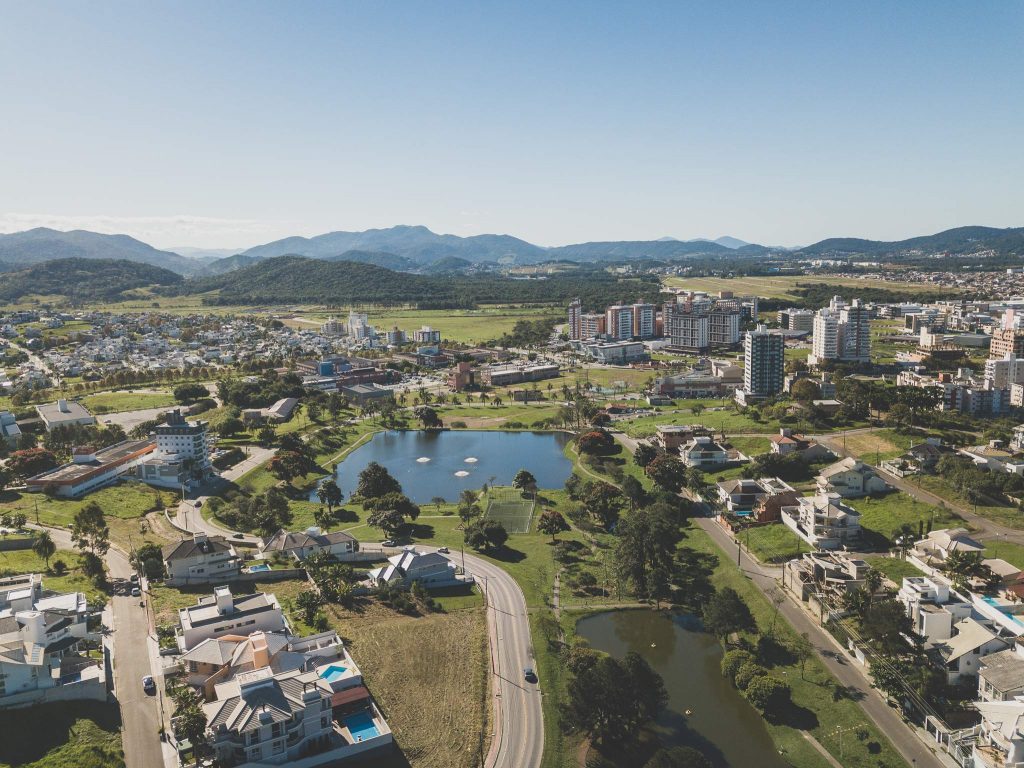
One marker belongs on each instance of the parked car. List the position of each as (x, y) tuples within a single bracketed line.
[(136, 592), (444, 550), (134, 578), (388, 543), (148, 684), (529, 675)]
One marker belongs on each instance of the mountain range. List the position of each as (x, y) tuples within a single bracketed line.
[(417, 249)]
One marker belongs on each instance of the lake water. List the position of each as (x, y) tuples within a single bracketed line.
[(721, 723), (446, 462)]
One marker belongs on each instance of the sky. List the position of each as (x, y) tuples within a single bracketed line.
[(227, 124)]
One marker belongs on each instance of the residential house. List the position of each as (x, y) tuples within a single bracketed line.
[(1001, 674), (994, 457), (936, 546), (431, 569), (10, 432), (960, 654), (223, 614), (200, 560), (1000, 741), (703, 453), (832, 573), (788, 442), (742, 496), (850, 478), (672, 437), (302, 544), (823, 521), (920, 458)]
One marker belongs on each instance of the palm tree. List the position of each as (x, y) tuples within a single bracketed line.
[(44, 547)]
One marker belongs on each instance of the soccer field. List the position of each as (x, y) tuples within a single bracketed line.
[(512, 511)]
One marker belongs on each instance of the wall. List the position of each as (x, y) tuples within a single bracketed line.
[(18, 542)]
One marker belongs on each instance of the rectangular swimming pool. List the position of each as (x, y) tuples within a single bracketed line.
[(260, 567), (361, 726)]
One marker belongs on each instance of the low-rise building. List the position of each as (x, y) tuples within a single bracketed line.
[(201, 560), (300, 545), (365, 393), (938, 545), (64, 413), (431, 569), (744, 497), (789, 442), (823, 521), (703, 453), (223, 613), (617, 352), (10, 432), (90, 469), (672, 437), (504, 375), (1001, 674), (831, 573), (850, 478)]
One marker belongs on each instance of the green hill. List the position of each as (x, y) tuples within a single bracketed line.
[(84, 280)]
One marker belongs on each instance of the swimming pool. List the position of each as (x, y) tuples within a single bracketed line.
[(260, 567), (361, 726), (332, 673)]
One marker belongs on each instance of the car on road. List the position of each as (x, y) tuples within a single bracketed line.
[(388, 543), (443, 550), (134, 578), (136, 592), (529, 675), (148, 684), (238, 536)]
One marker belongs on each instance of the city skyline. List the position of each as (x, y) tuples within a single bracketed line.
[(234, 125)]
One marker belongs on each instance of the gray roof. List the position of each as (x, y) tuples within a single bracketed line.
[(284, 541), (206, 612), (1004, 670), (190, 548)]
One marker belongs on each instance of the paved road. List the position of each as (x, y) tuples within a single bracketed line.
[(140, 718), (889, 722)]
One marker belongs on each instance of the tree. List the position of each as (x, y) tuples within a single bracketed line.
[(886, 623), (189, 393), (746, 673), (768, 694), (485, 534), (803, 650), (389, 512), (473, 535), (524, 481), (634, 491), (309, 602), (229, 427), (667, 472), (552, 523), (805, 390), (189, 723), (89, 529), (288, 465), (963, 567), (596, 441), (611, 700), (726, 613), (644, 454), (603, 501), (31, 461), (148, 560), (376, 481), (645, 552), (44, 547), (329, 493), (678, 757), (428, 417), (733, 660)]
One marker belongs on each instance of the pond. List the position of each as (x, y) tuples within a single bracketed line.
[(721, 723), (446, 462)]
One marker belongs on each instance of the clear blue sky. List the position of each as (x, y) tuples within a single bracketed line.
[(227, 124)]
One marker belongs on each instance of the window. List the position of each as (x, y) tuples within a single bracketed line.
[(325, 722), (278, 747)]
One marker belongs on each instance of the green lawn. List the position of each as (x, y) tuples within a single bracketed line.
[(125, 500), (881, 516), (114, 402), (772, 543), (815, 691), (62, 735), (1007, 515), (1005, 550), (26, 561), (895, 569)]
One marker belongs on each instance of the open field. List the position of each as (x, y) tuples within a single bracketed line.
[(815, 690), (894, 568), (429, 676), (62, 735), (772, 543), (26, 561), (124, 500), (1008, 515), (882, 516), (115, 402), (784, 286), (876, 446)]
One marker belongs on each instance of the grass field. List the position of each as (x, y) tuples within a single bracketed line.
[(115, 402), (429, 676), (894, 568), (772, 543), (1001, 513), (784, 286), (26, 561), (881, 445), (62, 735), (880, 517), (1006, 550), (508, 507)]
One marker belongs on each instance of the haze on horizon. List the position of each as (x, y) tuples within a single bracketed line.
[(231, 124)]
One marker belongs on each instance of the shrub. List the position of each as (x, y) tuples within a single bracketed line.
[(746, 673), (768, 693), (733, 660), (59, 567)]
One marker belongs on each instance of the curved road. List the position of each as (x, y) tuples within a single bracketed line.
[(518, 722)]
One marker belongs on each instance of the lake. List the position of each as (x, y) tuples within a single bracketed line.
[(446, 462), (721, 723)]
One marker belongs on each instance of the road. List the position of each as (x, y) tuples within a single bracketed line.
[(518, 730), (140, 717), (889, 722)]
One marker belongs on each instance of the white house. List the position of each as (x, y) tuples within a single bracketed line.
[(1000, 742), (961, 653), (936, 546), (301, 545), (200, 560), (1001, 675), (742, 495), (823, 521), (850, 478), (703, 453), (788, 442), (431, 569), (225, 614)]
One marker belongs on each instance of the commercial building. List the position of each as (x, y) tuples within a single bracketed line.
[(64, 413), (764, 365), (503, 375), (617, 353), (182, 456), (90, 469), (365, 393)]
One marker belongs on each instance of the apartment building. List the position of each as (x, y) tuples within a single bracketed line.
[(764, 365), (619, 322), (575, 326)]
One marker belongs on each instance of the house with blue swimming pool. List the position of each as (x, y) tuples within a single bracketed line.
[(200, 560)]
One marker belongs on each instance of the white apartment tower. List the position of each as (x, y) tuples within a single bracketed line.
[(619, 322), (643, 321), (575, 329), (825, 341), (855, 332)]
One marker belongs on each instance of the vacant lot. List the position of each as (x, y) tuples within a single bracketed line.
[(27, 561), (874, 446), (115, 402), (429, 676), (772, 543), (882, 517), (894, 568)]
